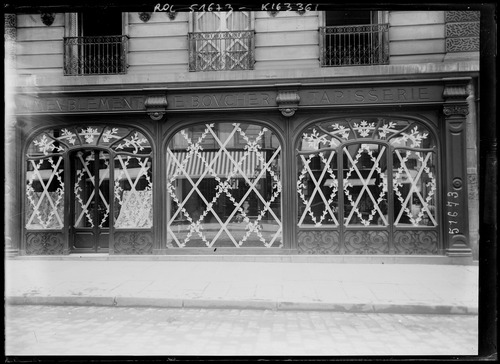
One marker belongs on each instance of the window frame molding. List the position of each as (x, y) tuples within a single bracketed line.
[(71, 26), (191, 21)]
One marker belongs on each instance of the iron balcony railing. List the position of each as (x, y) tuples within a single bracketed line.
[(354, 45), (218, 51), (95, 55)]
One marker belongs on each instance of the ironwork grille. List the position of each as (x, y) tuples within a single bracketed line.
[(354, 45), (95, 55), (218, 51)]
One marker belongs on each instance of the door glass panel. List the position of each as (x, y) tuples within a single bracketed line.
[(91, 189), (224, 187), (102, 186)]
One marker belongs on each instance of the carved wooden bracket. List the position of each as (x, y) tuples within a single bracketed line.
[(48, 18), (449, 110), (288, 102), (457, 91), (156, 106), (455, 94)]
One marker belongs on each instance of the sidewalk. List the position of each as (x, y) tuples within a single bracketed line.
[(365, 287)]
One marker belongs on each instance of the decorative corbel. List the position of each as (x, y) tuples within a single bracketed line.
[(455, 94), (156, 106), (145, 17), (449, 110), (288, 102), (48, 18)]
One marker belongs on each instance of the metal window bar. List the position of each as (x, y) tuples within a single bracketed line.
[(95, 55), (354, 45), (219, 51)]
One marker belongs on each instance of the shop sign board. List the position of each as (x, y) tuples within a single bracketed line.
[(308, 96)]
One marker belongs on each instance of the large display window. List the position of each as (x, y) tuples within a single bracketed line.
[(371, 182), (224, 187)]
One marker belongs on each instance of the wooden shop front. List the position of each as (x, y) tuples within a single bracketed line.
[(372, 168)]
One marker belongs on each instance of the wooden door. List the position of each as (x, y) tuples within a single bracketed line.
[(90, 197)]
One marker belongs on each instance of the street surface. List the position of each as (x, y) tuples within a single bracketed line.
[(83, 330)]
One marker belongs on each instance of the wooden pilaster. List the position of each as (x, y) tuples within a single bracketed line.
[(455, 194)]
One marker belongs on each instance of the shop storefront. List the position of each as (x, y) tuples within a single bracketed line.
[(371, 168)]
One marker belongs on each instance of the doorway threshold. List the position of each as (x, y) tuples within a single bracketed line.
[(92, 256), (329, 259)]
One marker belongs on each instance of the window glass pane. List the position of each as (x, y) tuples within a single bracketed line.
[(334, 18), (46, 143), (317, 187), (111, 135), (353, 38), (135, 142), (101, 22), (414, 177), (133, 192), (45, 193), (354, 153), (224, 187)]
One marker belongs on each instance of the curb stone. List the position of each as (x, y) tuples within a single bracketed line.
[(242, 304)]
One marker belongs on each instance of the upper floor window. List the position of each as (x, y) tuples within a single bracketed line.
[(96, 44), (221, 41), (354, 38)]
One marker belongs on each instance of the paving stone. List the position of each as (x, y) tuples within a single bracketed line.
[(415, 288), (39, 330)]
